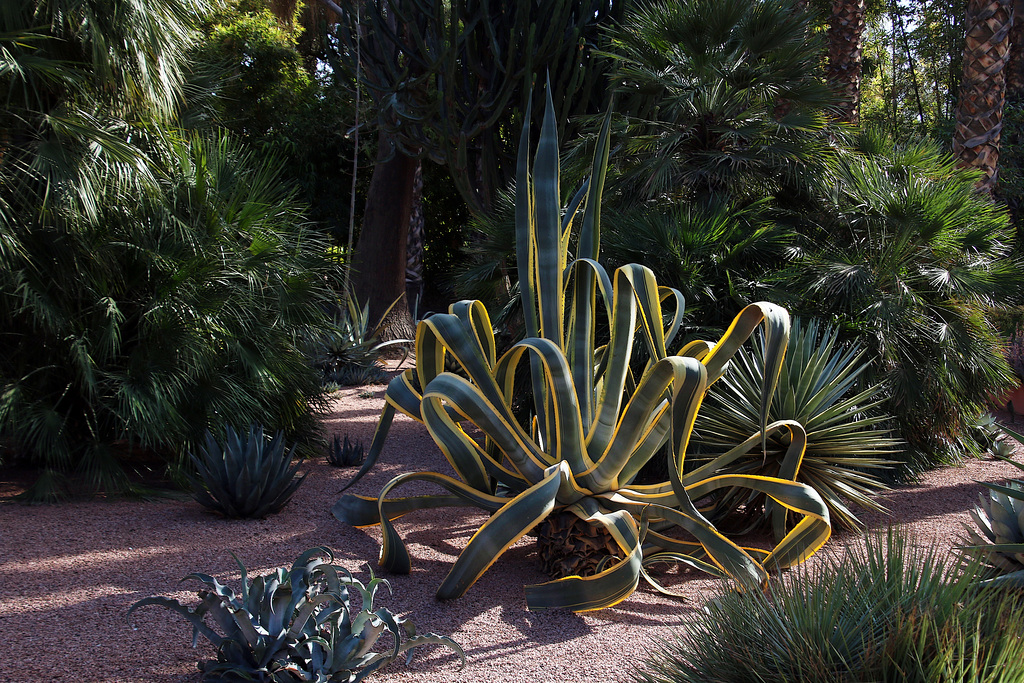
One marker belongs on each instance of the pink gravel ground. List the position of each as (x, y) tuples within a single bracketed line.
[(69, 572)]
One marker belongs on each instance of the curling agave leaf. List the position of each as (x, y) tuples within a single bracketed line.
[(363, 511)]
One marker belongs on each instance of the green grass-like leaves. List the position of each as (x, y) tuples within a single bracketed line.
[(887, 612)]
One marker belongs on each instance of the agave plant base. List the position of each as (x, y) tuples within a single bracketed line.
[(570, 546)]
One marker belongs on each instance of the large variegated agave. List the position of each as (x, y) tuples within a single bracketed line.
[(296, 624), (594, 425)]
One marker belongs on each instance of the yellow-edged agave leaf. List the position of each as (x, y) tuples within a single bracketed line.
[(466, 399), (641, 415), (504, 528), (594, 424), (776, 337), (581, 327)]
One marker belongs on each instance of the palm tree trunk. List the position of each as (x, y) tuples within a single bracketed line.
[(845, 53), (982, 93)]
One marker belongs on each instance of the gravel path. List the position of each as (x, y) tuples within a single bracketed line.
[(69, 572)]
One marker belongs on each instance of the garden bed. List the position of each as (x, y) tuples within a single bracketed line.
[(69, 572)]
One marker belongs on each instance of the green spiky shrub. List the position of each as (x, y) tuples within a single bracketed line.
[(246, 476), (152, 280), (848, 447), (999, 518), (297, 624), (345, 454), (592, 423), (349, 353), (886, 612)]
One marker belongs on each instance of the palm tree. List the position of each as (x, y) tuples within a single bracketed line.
[(845, 53), (720, 98), (983, 89), (910, 261)]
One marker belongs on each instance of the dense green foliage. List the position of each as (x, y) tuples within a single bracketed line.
[(720, 99), (890, 612), (152, 281), (909, 259), (297, 624), (283, 101), (246, 477)]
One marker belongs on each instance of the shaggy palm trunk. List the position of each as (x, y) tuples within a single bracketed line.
[(980, 110), (845, 52), (569, 546)]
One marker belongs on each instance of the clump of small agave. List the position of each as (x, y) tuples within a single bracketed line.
[(345, 454), (297, 624), (1000, 520)]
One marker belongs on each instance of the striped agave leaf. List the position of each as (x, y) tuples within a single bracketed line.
[(593, 426)]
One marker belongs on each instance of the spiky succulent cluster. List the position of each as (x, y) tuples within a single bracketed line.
[(1000, 519), (348, 355), (296, 624), (247, 477), (345, 454)]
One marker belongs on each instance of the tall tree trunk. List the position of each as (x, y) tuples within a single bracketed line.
[(379, 277), (979, 114), (845, 55)]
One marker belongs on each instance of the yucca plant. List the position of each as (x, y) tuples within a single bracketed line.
[(593, 425), (345, 454), (296, 624), (887, 612), (847, 446), (247, 477), (1000, 518)]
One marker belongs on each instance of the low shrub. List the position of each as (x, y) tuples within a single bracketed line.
[(888, 612), (246, 477), (297, 624)]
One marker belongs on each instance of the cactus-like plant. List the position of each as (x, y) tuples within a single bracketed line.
[(296, 624), (1000, 519), (247, 477), (846, 448), (594, 422), (345, 454)]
